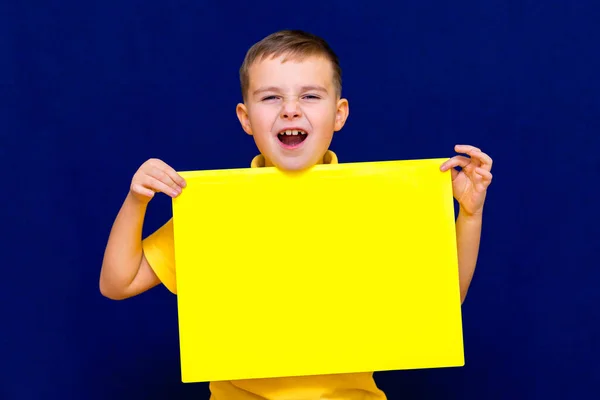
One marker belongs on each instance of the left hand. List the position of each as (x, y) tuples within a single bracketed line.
[(470, 185)]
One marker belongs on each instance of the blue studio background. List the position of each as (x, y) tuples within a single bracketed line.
[(90, 90)]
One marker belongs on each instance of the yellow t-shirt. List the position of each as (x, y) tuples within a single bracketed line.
[(159, 251)]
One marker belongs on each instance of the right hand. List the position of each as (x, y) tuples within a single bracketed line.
[(156, 176)]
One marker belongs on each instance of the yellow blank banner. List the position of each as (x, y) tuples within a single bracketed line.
[(343, 268)]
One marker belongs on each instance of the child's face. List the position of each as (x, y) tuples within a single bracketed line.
[(296, 97)]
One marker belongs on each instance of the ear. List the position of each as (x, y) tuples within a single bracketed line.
[(341, 114), (242, 114)]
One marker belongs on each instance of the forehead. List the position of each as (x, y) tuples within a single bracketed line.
[(286, 72)]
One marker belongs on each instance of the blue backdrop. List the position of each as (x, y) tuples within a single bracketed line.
[(92, 89)]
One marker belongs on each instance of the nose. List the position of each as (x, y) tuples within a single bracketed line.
[(290, 110)]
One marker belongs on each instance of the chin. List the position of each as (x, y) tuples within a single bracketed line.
[(292, 165)]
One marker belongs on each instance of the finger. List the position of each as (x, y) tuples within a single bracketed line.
[(480, 187), (159, 186), (456, 161), (465, 148), (139, 189), (477, 156), (483, 179), (485, 174), (178, 179), (164, 177), (167, 169), (485, 161)]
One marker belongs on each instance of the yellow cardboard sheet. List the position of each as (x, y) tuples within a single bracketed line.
[(343, 268)]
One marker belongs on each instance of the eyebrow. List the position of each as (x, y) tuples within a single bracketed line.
[(303, 89)]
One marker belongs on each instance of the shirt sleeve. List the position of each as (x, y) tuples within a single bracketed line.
[(159, 251)]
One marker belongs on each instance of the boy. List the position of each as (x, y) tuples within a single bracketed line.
[(292, 105)]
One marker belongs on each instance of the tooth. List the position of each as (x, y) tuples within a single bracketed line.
[(288, 132), (295, 133)]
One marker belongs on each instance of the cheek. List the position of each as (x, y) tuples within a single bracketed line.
[(322, 117), (260, 119)]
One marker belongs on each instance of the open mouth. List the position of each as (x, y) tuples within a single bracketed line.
[(292, 137)]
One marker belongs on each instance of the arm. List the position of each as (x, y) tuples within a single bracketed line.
[(468, 234), (125, 270), (469, 187)]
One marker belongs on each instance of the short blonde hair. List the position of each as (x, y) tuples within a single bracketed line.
[(295, 44)]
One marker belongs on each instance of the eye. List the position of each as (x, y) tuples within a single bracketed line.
[(269, 98), (312, 97)]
